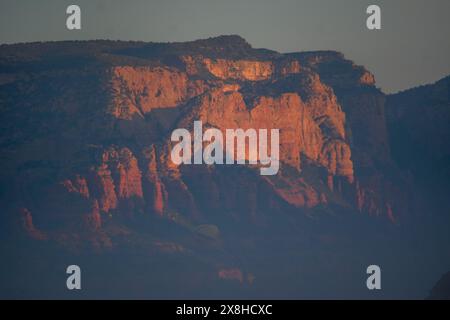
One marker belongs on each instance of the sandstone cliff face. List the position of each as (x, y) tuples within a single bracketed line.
[(229, 111), (366, 133), (140, 90), (288, 66), (107, 135), (240, 69)]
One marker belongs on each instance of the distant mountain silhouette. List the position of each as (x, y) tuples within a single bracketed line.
[(441, 291)]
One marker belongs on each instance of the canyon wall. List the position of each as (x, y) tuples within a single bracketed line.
[(89, 140)]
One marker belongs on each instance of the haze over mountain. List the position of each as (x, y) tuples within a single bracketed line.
[(86, 170)]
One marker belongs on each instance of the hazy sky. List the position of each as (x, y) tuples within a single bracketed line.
[(412, 48)]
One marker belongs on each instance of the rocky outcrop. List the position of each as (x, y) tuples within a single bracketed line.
[(158, 194), (103, 188), (27, 225), (336, 157)]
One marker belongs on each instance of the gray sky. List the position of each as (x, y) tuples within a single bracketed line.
[(412, 48)]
